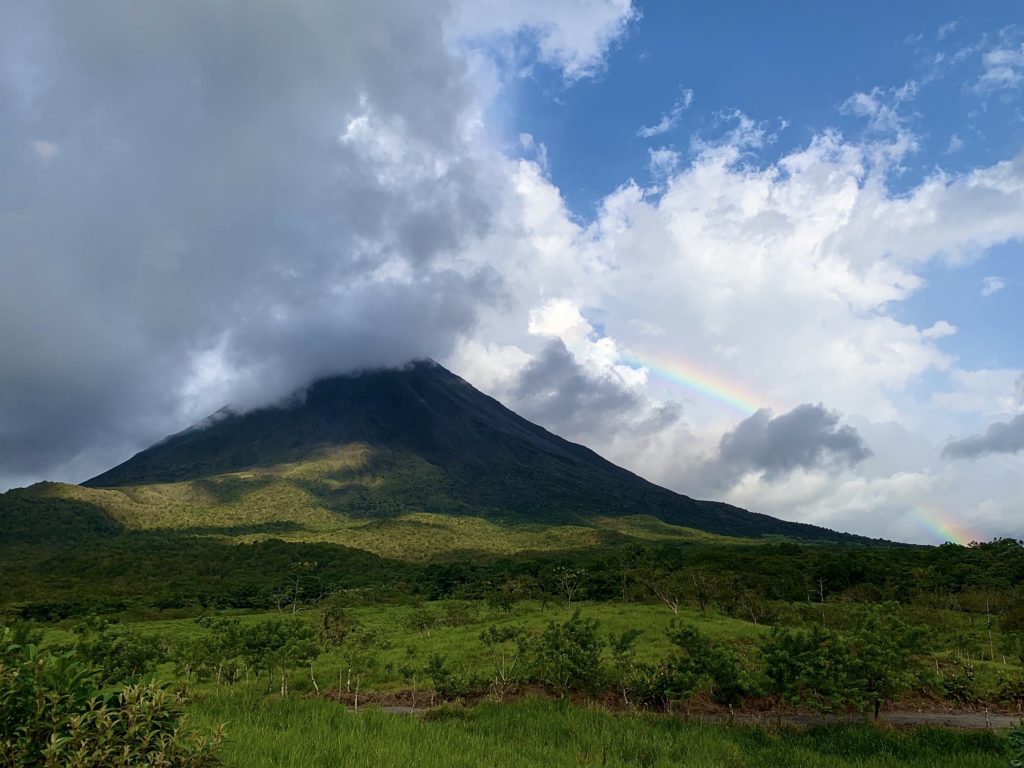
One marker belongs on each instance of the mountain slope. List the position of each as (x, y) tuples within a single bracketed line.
[(422, 440)]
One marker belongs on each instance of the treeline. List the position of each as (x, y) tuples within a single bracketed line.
[(197, 573)]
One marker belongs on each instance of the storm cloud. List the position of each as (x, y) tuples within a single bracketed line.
[(1001, 437), (218, 201), (807, 437), (558, 392)]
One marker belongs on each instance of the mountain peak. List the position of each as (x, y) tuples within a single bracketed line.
[(465, 452)]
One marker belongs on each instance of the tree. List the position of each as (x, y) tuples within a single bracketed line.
[(566, 656), (505, 645), (886, 654), (871, 665), (624, 663), (568, 581), (119, 654), (358, 653), (697, 662), (281, 645), (809, 667)]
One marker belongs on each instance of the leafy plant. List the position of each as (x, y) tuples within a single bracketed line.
[(52, 713)]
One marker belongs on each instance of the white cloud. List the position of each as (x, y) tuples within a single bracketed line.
[(572, 35), (662, 161), (991, 284), (44, 149), (1004, 69), (670, 119), (947, 29), (780, 279), (939, 330)]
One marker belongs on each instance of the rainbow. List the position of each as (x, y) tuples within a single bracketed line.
[(701, 381), (944, 526)]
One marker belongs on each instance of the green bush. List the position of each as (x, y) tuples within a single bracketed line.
[(566, 657), (1017, 747), (53, 714)]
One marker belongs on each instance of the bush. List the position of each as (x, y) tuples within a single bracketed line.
[(1017, 747), (53, 714), (449, 685), (566, 657), (119, 655)]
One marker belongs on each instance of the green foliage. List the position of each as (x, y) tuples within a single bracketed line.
[(118, 653), (449, 685), (1016, 739), (53, 714), (959, 683), (566, 656), (878, 659), (698, 661)]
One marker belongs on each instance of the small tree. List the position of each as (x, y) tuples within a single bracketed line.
[(359, 656), (567, 656), (624, 663), (886, 655), (119, 654), (568, 581), (410, 671), (505, 645)]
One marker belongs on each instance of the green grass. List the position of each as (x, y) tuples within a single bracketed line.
[(335, 497), (306, 733)]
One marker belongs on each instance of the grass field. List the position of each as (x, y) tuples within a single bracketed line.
[(307, 733)]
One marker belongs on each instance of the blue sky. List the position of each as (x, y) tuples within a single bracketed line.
[(792, 67), (797, 62)]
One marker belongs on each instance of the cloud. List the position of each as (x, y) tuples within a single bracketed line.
[(44, 149), (1004, 69), (778, 280), (955, 144), (1001, 437), (249, 196), (662, 161), (807, 437), (947, 29), (991, 284), (557, 391), (881, 107), (670, 119), (573, 35), (939, 330)]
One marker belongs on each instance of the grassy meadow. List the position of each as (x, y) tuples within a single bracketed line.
[(267, 732)]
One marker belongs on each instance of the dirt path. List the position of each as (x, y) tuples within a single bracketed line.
[(961, 720)]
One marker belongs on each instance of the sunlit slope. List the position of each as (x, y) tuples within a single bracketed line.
[(385, 445)]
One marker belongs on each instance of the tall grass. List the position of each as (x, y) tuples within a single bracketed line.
[(308, 733)]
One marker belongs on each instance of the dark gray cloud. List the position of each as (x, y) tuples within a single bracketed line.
[(224, 198), (807, 437), (558, 392), (1001, 437)]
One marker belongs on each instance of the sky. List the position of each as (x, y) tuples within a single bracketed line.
[(770, 255)]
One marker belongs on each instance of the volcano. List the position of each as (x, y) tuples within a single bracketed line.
[(420, 439)]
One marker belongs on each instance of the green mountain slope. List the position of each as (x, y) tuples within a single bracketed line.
[(417, 448)]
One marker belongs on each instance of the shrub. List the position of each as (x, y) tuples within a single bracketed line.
[(566, 657), (53, 714), (1017, 747), (449, 685)]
